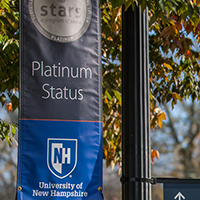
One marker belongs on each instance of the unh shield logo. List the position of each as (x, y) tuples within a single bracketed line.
[(61, 156)]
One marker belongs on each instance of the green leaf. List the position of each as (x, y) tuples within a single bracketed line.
[(190, 9), (13, 129), (10, 16), (102, 2), (197, 9), (5, 4), (169, 97), (152, 20), (118, 96), (4, 20), (116, 3), (108, 95), (162, 4), (8, 140)]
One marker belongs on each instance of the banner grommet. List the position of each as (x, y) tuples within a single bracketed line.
[(19, 188), (100, 189)]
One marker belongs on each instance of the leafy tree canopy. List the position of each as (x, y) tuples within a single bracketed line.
[(9, 63), (174, 60)]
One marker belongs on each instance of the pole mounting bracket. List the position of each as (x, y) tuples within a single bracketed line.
[(152, 180)]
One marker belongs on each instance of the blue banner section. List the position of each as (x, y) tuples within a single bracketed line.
[(61, 159)]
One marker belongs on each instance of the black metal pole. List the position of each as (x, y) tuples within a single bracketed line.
[(135, 108)]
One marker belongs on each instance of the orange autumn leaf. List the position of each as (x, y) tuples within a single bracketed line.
[(162, 117), (160, 122), (106, 100), (196, 2), (177, 96), (110, 39), (154, 153), (9, 107), (168, 66), (179, 26), (105, 152), (188, 53)]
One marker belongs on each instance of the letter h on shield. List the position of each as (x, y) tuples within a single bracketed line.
[(66, 155)]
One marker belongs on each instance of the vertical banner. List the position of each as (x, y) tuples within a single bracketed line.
[(60, 124)]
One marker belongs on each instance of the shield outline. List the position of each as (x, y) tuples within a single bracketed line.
[(76, 142)]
